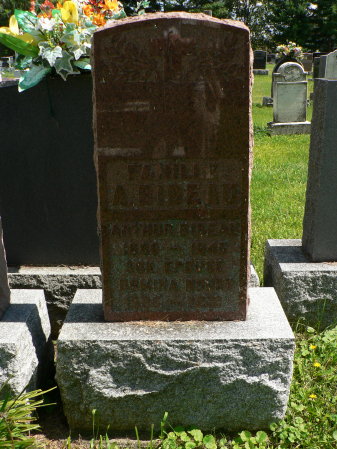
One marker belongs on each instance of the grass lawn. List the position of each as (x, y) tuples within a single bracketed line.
[(278, 180)]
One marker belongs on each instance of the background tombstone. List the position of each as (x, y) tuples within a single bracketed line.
[(331, 66), (4, 288), (316, 62), (307, 61), (289, 100), (322, 66), (260, 59), (173, 169), (170, 134)]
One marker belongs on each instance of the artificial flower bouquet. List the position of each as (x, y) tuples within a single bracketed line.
[(290, 49), (56, 38)]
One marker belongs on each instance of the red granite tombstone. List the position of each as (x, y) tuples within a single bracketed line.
[(172, 128)]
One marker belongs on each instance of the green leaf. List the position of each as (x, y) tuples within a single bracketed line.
[(273, 426), (172, 436), (261, 436), (23, 62), (209, 442), (49, 53), (32, 77), (334, 435), (190, 445), (196, 434), (83, 64), (18, 45), (120, 15), (64, 67), (223, 442), (26, 20), (245, 435)]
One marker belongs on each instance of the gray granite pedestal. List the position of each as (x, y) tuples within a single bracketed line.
[(307, 290), (60, 283), (25, 347), (213, 375)]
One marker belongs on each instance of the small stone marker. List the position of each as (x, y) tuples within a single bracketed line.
[(4, 288), (320, 218), (331, 66), (172, 134), (260, 59), (307, 61)]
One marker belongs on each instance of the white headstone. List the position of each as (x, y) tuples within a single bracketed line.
[(291, 71), (290, 102)]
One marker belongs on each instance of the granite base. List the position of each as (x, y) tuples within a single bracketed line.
[(307, 290), (25, 346), (289, 128), (213, 375), (60, 285)]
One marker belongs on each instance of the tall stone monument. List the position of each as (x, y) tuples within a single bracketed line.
[(304, 273), (172, 154), (172, 125), (4, 288)]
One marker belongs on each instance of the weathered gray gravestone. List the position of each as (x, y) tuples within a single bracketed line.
[(173, 138), (307, 61), (331, 66), (290, 100), (322, 66), (4, 288), (173, 168), (305, 283), (320, 218)]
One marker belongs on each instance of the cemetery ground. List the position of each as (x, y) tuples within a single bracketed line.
[(277, 197)]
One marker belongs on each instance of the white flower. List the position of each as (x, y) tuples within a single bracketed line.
[(46, 24)]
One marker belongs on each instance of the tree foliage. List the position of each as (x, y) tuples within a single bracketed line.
[(313, 25)]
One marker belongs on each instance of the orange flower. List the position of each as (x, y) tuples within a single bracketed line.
[(99, 19), (110, 5), (88, 10)]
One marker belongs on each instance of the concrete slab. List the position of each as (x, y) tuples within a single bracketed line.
[(25, 347), (213, 375), (307, 290)]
